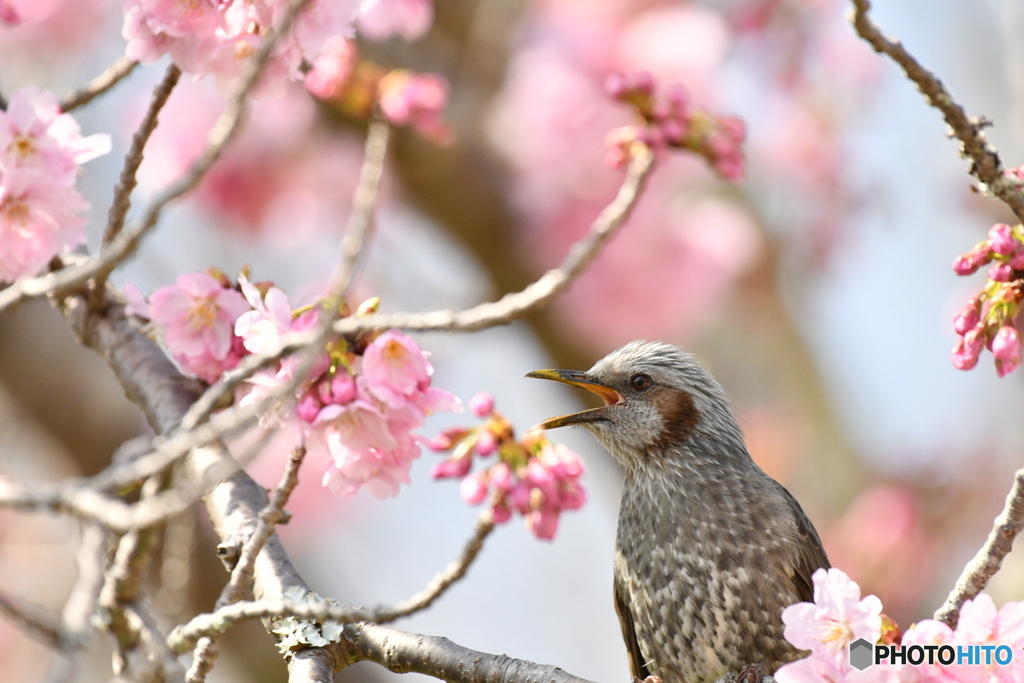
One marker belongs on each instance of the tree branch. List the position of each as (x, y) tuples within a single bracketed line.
[(985, 163), (99, 85), (404, 652), (33, 620), (987, 561)]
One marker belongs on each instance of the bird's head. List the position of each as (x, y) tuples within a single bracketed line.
[(657, 401)]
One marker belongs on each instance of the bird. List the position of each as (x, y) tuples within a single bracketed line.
[(709, 549)]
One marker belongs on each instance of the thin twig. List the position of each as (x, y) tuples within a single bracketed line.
[(227, 615), (987, 561), (222, 133), (985, 165), (240, 583), (33, 620), (360, 221), (548, 286), (133, 159), (449, 575), (99, 85)]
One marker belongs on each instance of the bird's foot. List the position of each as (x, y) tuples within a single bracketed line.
[(752, 673)]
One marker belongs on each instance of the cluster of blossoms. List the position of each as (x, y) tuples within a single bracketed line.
[(674, 121), (219, 36), (535, 477), (838, 616), (356, 86), (360, 402), (41, 151), (988, 319)]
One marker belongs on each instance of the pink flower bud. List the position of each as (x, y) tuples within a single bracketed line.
[(1005, 367), (543, 523), (520, 497), (733, 127), (485, 441), (1017, 260), (967, 318), (446, 439), (1006, 344), (974, 341), (308, 408), (501, 477), (452, 468), (501, 511), (1000, 272), (1001, 239), (482, 404), (964, 264), (473, 489), (961, 358), (343, 387)]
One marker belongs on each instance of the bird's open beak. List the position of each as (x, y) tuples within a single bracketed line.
[(579, 379)]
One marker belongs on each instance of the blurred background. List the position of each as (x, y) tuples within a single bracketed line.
[(819, 292)]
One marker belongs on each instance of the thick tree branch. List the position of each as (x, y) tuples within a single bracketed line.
[(987, 561), (404, 652), (99, 85), (985, 163)]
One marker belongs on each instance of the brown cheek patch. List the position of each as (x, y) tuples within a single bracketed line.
[(679, 414)]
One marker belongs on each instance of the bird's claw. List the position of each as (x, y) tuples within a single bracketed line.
[(752, 673)]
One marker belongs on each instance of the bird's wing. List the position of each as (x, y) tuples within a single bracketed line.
[(637, 666), (810, 554)]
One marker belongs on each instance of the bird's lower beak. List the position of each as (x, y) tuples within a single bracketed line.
[(578, 379)]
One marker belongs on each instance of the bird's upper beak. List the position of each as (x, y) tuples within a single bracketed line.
[(579, 379)]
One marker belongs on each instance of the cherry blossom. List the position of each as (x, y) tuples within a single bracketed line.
[(534, 477), (41, 151)]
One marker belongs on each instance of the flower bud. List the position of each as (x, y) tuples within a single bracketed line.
[(473, 488), (485, 441), (308, 407), (481, 404), (967, 318), (1000, 272), (1006, 344), (452, 468), (1001, 239)]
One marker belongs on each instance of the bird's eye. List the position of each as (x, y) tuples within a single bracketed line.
[(641, 382)]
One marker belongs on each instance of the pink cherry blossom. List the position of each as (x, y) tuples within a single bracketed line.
[(1001, 239), (37, 220), (394, 367), (930, 632), (1006, 349), (981, 624), (40, 153), (198, 315), (836, 618), (263, 327), (382, 19)]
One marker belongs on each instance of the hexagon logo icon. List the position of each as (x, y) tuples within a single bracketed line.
[(861, 654)]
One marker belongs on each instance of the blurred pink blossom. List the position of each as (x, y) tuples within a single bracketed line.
[(415, 100), (332, 68), (382, 19)]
